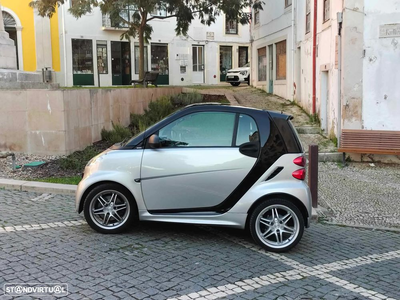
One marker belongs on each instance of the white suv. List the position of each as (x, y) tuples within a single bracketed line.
[(239, 75)]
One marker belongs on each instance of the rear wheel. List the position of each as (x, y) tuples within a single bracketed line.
[(235, 83), (109, 208), (277, 225)]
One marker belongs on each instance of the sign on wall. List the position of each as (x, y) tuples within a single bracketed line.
[(210, 35), (389, 30)]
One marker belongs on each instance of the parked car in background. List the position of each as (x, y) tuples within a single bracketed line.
[(236, 76), (205, 164)]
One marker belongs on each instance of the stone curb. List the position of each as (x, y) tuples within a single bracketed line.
[(368, 227), (38, 187)]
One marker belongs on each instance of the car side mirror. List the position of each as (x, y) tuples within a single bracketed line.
[(154, 141)]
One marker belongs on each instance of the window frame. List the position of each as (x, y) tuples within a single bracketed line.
[(256, 16), (136, 50), (279, 53), (102, 44), (326, 11), (88, 51), (308, 16), (288, 3), (258, 64), (228, 22)]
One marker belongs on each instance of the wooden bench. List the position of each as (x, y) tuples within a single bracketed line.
[(369, 141), (149, 78)]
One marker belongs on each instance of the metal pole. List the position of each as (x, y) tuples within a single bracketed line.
[(313, 173)]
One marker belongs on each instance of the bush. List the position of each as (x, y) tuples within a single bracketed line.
[(78, 160), (115, 135), (156, 111), (187, 99)]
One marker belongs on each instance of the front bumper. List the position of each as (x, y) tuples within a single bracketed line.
[(235, 77)]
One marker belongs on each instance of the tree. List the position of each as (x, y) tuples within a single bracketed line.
[(185, 11)]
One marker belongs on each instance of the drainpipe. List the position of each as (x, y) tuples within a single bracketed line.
[(314, 59), (293, 46), (65, 44), (339, 113)]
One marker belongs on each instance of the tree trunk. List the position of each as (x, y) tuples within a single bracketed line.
[(141, 53)]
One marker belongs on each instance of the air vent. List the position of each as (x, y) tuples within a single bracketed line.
[(274, 173)]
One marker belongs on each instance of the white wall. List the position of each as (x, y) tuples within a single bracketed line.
[(381, 91), (90, 27), (274, 26)]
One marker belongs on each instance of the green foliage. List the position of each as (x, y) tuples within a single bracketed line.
[(62, 180), (115, 135), (77, 160), (156, 111), (187, 99)]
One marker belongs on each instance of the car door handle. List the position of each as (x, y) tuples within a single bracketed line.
[(250, 149)]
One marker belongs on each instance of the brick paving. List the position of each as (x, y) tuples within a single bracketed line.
[(173, 261)]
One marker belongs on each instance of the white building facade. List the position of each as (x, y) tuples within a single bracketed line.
[(93, 53)]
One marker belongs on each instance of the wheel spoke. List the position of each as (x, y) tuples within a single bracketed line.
[(118, 209), (113, 198), (280, 234), (266, 222), (102, 201), (277, 237), (106, 218), (116, 216), (265, 233), (267, 236), (288, 229), (100, 212), (286, 218)]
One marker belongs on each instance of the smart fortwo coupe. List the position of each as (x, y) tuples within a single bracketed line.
[(205, 164)]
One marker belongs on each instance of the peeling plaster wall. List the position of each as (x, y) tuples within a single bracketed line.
[(352, 69), (381, 73)]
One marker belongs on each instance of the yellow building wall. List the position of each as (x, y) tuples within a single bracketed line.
[(26, 16)]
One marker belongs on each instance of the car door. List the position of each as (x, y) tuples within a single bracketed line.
[(200, 162)]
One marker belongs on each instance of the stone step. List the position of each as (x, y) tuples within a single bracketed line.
[(329, 157), (308, 130)]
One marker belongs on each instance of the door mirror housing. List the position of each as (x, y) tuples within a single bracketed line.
[(154, 142)]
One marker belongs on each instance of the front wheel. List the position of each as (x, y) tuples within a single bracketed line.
[(109, 208), (235, 83), (277, 225)]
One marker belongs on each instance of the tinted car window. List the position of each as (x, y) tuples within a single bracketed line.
[(247, 130), (205, 129)]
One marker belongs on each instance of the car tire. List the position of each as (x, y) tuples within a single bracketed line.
[(277, 225), (110, 208), (235, 83), (248, 80)]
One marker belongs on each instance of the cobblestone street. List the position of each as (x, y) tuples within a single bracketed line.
[(43, 240)]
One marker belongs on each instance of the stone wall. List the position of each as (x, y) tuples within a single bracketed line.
[(59, 122)]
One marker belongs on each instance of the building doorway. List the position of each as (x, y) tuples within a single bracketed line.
[(243, 56), (198, 64), (10, 27), (160, 62), (225, 61), (121, 63), (271, 69), (324, 100)]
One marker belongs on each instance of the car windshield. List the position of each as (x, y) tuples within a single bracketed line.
[(246, 65)]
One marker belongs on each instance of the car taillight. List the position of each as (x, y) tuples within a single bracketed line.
[(299, 174), (300, 161)]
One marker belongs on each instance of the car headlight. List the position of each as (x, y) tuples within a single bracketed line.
[(244, 73), (93, 160)]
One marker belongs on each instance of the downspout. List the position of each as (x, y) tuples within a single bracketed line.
[(65, 44), (293, 48), (314, 59), (339, 113)]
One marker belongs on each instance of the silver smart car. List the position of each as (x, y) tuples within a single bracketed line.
[(205, 164)]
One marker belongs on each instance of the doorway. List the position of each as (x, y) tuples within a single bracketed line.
[(243, 56), (121, 63), (324, 100), (160, 63), (225, 61), (271, 69), (198, 64), (10, 27)]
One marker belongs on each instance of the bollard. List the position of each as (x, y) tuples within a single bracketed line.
[(313, 173)]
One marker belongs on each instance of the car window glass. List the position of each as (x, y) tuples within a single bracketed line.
[(205, 129), (247, 130)]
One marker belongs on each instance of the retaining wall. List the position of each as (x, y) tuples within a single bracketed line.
[(59, 122)]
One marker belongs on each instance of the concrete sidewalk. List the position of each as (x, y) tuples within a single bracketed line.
[(38, 187)]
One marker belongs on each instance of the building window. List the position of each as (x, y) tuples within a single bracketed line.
[(256, 16), (102, 60), (308, 16), (160, 11), (137, 57), (231, 26), (327, 10), (82, 53), (243, 56), (288, 3), (159, 59), (125, 17), (262, 64), (281, 60)]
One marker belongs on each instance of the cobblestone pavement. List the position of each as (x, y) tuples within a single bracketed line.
[(42, 240), (360, 194)]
